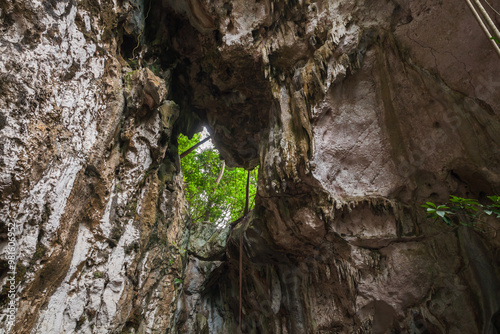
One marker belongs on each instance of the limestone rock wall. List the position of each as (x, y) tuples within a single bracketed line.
[(375, 108), (88, 172), (355, 112)]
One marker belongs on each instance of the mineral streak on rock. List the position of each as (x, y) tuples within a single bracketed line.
[(355, 112)]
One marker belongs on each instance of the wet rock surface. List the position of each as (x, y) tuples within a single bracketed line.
[(356, 113)]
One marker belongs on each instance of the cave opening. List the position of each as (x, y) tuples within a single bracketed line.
[(215, 193)]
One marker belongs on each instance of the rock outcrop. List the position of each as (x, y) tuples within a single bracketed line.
[(355, 112)]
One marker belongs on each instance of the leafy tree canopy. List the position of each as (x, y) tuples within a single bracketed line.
[(208, 201)]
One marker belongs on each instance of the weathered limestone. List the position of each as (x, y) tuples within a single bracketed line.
[(88, 177), (375, 109), (355, 112)]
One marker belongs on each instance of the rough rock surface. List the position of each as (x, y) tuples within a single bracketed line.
[(90, 178), (355, 112)]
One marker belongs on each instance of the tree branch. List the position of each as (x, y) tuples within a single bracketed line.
[(220, 173), (192, 148)]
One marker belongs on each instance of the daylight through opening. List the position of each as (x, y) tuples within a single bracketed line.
[(215, 192)]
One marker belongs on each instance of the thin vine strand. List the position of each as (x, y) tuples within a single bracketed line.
[(140, 34), (493, 9)]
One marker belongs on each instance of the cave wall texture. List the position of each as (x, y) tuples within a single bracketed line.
[(356, 112)]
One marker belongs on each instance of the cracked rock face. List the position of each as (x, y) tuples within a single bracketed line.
[(355, 113), (87, 174)]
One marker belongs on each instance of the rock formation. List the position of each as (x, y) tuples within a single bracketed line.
[(356, 112)]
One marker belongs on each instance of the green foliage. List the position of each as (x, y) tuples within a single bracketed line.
[(208, 201), (496, 40), (464, 211), (155, 68), (181, 250)]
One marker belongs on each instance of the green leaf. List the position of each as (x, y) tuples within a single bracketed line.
[(441, 213), (447, 220), (495, 200)]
